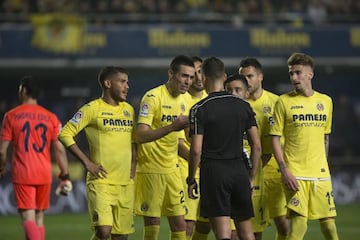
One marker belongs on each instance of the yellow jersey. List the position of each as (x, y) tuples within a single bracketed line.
[(304, 121), (158, 109), (110, 134)]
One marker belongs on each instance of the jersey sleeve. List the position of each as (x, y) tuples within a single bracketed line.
[(278, 120), (329, 120), (77, 123), (6, 133), (148, 107)]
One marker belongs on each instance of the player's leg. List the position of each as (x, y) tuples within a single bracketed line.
[(275, 201), (26, 204), (149, 197), (100, 200), (221, 227), (123, 203), (202, 229), (323, 207), (244, 229), (42, 203), (328, 228), (174, 205), (298, 205)]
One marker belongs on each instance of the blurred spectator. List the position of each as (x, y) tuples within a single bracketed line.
[(317, 12)]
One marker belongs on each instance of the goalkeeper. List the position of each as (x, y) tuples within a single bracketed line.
[(32, 130)]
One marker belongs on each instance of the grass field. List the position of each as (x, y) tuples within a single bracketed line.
[(76, 227)]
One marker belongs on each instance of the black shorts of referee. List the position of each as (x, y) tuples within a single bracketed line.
[(225, 189)]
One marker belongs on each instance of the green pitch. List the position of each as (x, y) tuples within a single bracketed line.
[(76, 227)]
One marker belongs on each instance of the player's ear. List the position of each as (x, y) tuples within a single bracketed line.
[(107, 83)]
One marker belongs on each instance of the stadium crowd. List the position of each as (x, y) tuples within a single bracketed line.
[(316, 12)]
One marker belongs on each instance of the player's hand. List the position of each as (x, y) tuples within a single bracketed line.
[(96, 170), (289, 180), (64, 188), (181, 122), (192, 189)]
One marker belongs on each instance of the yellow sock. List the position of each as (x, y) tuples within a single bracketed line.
[(328, 228), (199, 236), (151, 232), (178, 235), (280, 237), (298, 228)]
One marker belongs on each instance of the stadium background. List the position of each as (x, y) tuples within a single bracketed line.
[(65, 43)]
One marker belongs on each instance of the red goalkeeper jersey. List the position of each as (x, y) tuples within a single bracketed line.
[(31, 129)]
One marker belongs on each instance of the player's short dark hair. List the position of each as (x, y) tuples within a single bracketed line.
[(251, 62), (301, 59), (108, 71), (180, 60), (213, 68), (197, 59), (237, 77), (32, 86)]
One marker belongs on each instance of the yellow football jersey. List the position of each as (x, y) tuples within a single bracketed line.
[(190, 100), (304, 121), (158, 109), (109, 131)]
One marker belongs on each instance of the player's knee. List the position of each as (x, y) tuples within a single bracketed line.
[(203, 227), (282, 225), (103, 233)]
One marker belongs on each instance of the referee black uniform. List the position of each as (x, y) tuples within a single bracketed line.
[(225, 189)]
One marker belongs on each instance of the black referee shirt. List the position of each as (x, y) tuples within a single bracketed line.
[(222, 120)]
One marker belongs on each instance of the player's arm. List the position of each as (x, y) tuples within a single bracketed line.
[(288, 178), (133, 160), (66, 137), (3, 156), (183, 150), (255, 153), (65, 185), (60, 157), (144, 132), (194, 161), (327, 139)]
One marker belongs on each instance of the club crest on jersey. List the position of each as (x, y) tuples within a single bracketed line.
[(76, 118), (182, 106), (144, 110), (320, 107), (267, 109), (126, 113)]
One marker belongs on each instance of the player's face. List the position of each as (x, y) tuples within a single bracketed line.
[(237, 88), (181, 80), (197, 83), (253, 77), (300, 77), (119, 87)]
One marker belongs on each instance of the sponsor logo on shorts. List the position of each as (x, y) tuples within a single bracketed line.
[(144, 207), (76, 118), (295, 202)]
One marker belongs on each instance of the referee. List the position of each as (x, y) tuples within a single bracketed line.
[(217, 125)]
